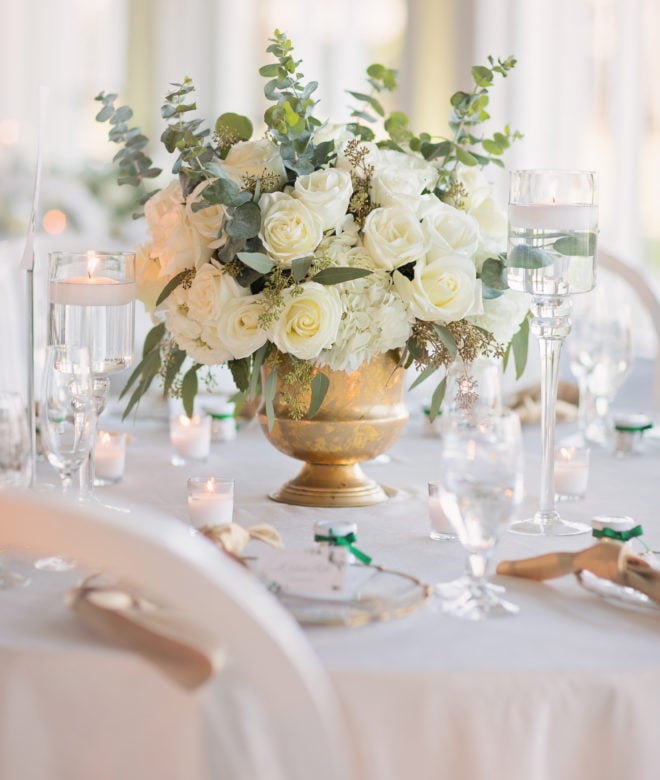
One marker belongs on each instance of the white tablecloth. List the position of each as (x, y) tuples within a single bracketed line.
[(566, 690)]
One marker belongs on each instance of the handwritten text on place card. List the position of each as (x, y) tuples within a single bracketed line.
[(314, 571)]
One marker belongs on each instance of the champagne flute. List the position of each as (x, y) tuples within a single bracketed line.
[(15, 463), (67, 421), (482, 485)]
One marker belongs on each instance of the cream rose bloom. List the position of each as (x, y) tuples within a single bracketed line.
[(210, 291), (239, 325), (449, 230), (399, 178), (207, 222), (474, 183), (394, 236), (177, 242), (308, 322), (148, 282), (502, 315), (326, 194), (444, 289), (253, 160), (288, 228)]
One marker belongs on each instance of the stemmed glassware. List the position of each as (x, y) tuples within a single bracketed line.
[(481, 462), (92, 303), (553, 219), (67, 420), (600, 352), (15, 463)]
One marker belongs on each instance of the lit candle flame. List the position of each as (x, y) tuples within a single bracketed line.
[(92, 262)]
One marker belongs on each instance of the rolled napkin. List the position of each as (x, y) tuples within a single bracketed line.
[(527, 403), (184, 652), (607, 560)]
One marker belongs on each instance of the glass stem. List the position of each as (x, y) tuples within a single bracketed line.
[(477, 566), (551, 324)]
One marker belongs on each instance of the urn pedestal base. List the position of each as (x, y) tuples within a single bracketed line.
[(330, 485)]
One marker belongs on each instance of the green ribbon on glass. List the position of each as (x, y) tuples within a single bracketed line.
[(620, 536), (347, 542)]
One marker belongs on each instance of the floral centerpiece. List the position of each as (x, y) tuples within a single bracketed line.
[(319, 242)]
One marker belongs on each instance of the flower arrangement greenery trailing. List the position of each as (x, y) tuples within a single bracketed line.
[(326, 243)]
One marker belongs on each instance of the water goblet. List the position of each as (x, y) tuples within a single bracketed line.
[(482, 485), (553, 220), (15, 463), (67, 420)]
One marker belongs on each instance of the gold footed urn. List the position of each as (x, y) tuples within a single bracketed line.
[(361, 417)]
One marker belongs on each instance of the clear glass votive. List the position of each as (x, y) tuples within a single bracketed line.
[(109, 458), (571, 472), (441, 528), (190, 438), (210, 501)]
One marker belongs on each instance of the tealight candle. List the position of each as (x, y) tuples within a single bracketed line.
[(571, 472), (91, 289), (210, 501), (109, 457), (190, 437), (441, 527)]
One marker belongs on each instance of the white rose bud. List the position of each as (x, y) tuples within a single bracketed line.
[(394, 236), (308, 322), (442, 290), (326, 194), (288, 228)]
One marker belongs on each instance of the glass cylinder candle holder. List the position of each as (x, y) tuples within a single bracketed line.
[(109, 458), (190, 438), (441, 527), (210, 501), (571, 473)]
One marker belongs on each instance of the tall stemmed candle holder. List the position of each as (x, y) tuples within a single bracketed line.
[(92, 303), (553, 224)]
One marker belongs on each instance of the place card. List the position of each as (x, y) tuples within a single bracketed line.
[(318, 571)]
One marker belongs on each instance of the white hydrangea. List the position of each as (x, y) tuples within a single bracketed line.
[(502, 315)]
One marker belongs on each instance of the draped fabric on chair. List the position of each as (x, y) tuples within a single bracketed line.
[(277, 718)]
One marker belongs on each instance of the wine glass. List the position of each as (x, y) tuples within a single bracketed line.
[(600, 352), (92, 303), (67, 420), (482, 466), (15, 463), (553, 219)]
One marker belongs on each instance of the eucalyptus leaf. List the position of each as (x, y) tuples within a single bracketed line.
[(319, 387), (269, 396), (189, 386), (153, 338), (520, 347), (175, 360), (258, 261), (173, 283), (445, 335), (423, 376), (493, 274), (300, 266), (336, 275), (235, 123), (583, 245), (246, 221), (257, 361), (525, 256), (437, 398), (240, 372)]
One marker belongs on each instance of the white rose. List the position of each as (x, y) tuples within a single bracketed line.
[(449, 230), (239, 325), (502, 315), (288, 228), (338, 133), (474, 183), (148, 282), (326, 194), (308, 322), (399, 178), (248, 160), (371, 158), (491, 218), (207, 222), (176, 241), (210, 291), (394, 236), (444, 289)]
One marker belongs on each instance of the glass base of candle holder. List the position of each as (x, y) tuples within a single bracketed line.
[(179, 460), (548, 524), (441, 536), (104, 481)]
